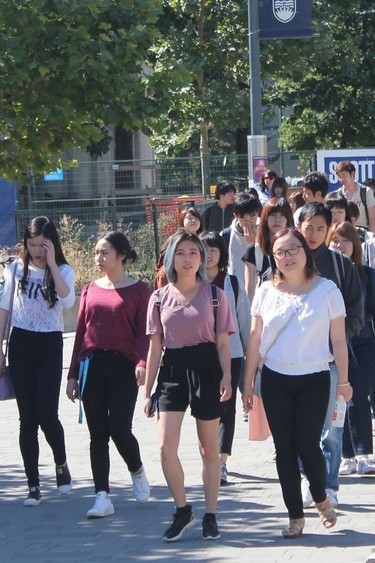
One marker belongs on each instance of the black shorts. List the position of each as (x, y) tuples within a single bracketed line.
[(191, 376)]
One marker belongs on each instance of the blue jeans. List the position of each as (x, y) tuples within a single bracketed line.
[(357, 438), (331, 439)]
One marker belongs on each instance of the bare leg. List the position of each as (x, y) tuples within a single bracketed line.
[(169, 430), (209, 450)]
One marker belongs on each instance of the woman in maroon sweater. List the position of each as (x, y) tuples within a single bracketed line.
[(109, 356)]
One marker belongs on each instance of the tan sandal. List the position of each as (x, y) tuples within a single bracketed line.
[(295, 529), (327, 513)]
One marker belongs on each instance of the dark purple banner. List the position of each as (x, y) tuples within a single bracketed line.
[(284, 19)]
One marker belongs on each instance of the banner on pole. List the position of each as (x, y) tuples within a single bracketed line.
[(280, 19)]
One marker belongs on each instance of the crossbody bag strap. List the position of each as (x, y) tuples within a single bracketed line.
[(7, 330), (285, 326)]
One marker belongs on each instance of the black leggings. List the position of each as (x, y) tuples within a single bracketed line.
[(35, 360), (109, 399), (296, 408), (228, 418)]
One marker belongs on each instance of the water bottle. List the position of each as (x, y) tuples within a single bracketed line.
[(338, 417)]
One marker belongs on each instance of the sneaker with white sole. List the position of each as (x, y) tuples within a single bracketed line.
[(102, 507), (63, 479), (365, 467), (306, 494), (332, 497), (348, 466), (182, 520), (141, 486), (34, 498)]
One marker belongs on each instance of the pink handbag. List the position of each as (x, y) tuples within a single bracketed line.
[(258, 425)]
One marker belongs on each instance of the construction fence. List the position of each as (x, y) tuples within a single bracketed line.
[(137, 193)]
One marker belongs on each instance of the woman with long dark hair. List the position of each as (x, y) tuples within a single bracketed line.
[(276, 215), (357, 446), (44, 285)]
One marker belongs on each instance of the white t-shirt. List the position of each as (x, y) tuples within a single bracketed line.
[(356, 197), (30, 310), (303, 347)]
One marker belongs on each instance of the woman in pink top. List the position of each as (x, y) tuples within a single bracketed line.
[(109, 356), (194, 327)]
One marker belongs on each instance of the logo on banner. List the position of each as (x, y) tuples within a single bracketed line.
[(284, 10)]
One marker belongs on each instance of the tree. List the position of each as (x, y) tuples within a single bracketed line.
[(67, 67), (327, 80), (202, 59)]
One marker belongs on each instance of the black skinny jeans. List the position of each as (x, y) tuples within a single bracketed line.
[(35, 360), (109, 400), (228, 418), (296, 407)]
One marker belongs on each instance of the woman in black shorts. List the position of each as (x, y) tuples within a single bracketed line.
[(193, 322)]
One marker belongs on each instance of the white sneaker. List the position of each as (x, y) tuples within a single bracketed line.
[(102, 507), (332, 497), (141, 487), (348, 466), (306, 495), (365, 467)]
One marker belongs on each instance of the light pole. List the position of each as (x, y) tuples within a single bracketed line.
[(256, 142)]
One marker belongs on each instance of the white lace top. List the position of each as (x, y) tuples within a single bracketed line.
[(303, 347), (30, 310)]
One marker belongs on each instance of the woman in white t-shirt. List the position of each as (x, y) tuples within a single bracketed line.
[(43, 286), (293, 318), (193, 325)]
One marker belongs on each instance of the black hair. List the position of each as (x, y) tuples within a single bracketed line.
[(316, 182), (42, 226), (335, 199), (120, 244), (313, 209), (246, 204), (180, 236), (223, 188), (214, 240), (310, 268)]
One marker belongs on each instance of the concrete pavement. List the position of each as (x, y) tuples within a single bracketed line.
[(251, 513)]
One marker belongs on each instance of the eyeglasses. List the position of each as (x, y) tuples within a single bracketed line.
[(267, 178), (292, 251)]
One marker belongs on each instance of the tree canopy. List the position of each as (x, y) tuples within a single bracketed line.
[(328, 80), (68, 67), (201, 56)]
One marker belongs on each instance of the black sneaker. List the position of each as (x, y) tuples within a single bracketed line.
[(210, 530), (181, 521), (34, 497), (63, 479)]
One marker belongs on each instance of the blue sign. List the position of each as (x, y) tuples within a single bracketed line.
[(280, 19), (54, 176), (363, 160)]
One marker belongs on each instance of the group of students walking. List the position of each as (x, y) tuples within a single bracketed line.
[(185, 343)]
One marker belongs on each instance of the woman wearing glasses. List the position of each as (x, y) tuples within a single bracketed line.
[(276, 215), (293, 318)]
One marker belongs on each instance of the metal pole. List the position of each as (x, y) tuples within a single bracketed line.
[(154, 213), (254, 62)]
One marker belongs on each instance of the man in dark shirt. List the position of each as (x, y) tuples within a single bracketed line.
[(314, 221), (218, 216)]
